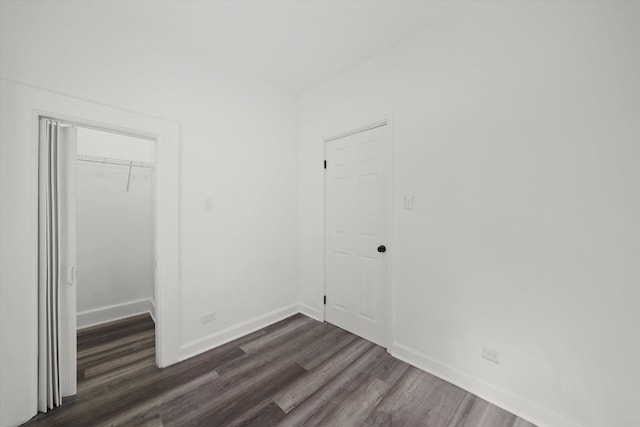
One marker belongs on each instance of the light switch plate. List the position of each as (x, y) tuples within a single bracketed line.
[(408, 201), (208, 204)]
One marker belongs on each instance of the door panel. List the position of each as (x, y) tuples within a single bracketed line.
[(356, 224), (369, 278), (68, 334), (338, 274)]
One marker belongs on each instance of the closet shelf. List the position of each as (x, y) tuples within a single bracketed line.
[(114, 161)]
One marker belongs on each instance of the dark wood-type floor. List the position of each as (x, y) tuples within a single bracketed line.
[(295, 372)]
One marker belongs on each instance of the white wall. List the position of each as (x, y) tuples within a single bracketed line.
[(92, 142), (238, 146), (516, 129), (115, 253)]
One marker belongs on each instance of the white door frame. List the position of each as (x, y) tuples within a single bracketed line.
[(365, 125), (166, 238)]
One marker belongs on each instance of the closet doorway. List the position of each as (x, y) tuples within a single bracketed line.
[(115, 256), (97, 258)]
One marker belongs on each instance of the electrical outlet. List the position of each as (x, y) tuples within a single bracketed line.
[(208, 317), (491, 355)]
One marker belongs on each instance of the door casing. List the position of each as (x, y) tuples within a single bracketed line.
[(68, 298)]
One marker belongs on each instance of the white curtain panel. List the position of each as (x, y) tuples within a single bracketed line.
[(49, 264)]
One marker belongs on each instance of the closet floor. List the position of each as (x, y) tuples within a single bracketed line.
[(295, 372)]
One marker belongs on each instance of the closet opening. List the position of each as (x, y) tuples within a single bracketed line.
[(97, 259), (115, 256)]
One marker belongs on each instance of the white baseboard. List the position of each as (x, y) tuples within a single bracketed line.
[(152, 312), (110, 313), (309, 311), (219, 338), (500, 397)]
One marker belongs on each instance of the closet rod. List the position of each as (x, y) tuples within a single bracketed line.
[(113, 161)]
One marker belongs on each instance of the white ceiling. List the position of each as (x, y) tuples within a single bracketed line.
[(292, 44)]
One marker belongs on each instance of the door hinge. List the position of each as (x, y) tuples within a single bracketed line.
[(325, 164), (325, 300)]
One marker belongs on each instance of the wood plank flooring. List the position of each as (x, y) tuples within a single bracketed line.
[(297, 372)]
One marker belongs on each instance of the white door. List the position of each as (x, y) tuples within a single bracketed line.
[(357, 179), (68, 334)]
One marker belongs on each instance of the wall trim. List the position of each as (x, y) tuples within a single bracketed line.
[(525, 409), (109, 313), (309, 311), (206, 343), (152, 313)]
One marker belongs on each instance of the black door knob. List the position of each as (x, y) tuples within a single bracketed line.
[(382, 248)]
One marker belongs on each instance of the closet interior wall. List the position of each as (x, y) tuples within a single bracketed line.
[(114, 226)]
